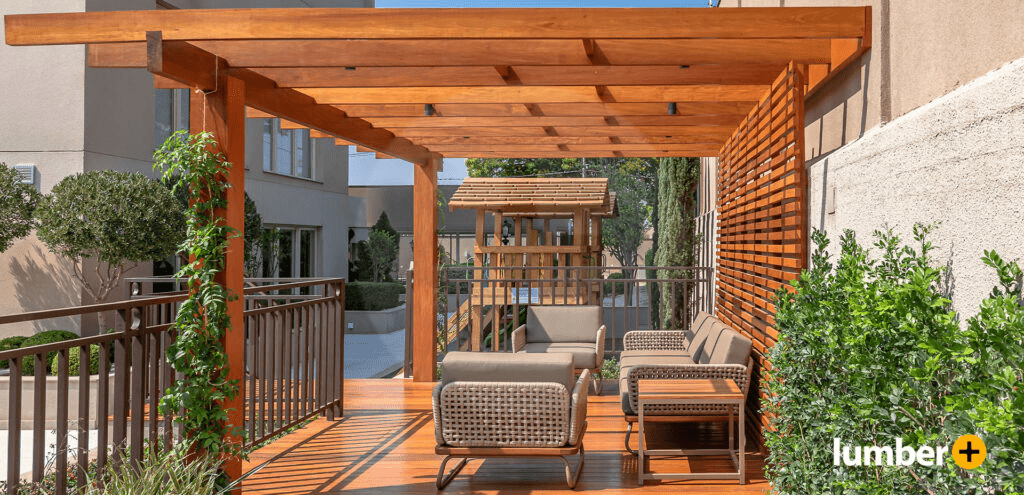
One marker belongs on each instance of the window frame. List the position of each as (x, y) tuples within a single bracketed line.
[(301, 144)]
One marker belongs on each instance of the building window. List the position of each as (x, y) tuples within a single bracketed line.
[(287, 151), (290, 252), (171, 113)]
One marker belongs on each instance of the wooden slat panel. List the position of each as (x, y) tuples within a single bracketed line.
[(240, 24), (762, 207)]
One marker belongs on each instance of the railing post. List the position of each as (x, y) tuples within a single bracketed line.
[(407, 368)]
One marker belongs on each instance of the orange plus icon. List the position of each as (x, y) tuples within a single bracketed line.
[(968, 451)]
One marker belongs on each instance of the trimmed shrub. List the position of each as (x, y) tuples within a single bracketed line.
[(48, 337), (372, 296), (73, 357), (613, 286), (10, 343), (870, 352)]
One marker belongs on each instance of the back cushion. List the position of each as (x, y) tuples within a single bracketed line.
[(714, 336), (703, 318), (732, 348), (508, 367), (562, 323), (705, 339)]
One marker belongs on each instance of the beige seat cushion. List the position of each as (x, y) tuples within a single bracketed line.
[(628, 359), (562, 323), (583, 355), (508, 367)]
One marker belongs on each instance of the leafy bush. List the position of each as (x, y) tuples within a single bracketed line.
[(372, 296), (610, 369), (614, 287), (10, 343), (73, 358), (17, 204), (28, 364), (870, 352), (119, 218), (163, 471)]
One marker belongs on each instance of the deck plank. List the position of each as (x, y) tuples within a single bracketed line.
[(385, 444)]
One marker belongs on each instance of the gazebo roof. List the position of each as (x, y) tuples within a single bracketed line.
[(420, 84), (533, 195)]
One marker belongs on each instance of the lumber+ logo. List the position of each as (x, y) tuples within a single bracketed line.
[(967, 452)]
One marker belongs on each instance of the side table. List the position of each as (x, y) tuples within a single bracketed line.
[(691, 392)]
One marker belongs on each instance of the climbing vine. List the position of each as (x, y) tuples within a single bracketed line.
[(202, 319)]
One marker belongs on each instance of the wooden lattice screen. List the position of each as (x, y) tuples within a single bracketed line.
[(762, 197)]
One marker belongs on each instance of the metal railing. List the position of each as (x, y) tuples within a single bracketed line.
[(294, 353), (484, 304)]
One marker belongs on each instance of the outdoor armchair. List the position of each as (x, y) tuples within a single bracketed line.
[(509, 405), (573, 329)]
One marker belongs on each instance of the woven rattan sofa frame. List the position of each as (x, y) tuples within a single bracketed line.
[(650, 340), (468, 453), (475, 452)]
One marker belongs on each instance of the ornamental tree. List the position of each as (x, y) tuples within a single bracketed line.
[(119, 219), (17, 203)]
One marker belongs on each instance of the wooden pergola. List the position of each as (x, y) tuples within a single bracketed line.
[(422, 84)]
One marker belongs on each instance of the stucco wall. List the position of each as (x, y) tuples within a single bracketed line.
[(920, 130), (957, 160)]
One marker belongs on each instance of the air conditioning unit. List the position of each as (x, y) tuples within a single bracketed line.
[(27, 173)]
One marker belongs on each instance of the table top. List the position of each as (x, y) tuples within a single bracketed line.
[(715, 388)]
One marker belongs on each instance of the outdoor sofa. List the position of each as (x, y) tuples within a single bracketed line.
[(709, 349), (491, 404), (575, 329)]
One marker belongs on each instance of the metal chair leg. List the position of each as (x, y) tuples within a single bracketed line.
[(444, 479), (573, 477), (629, 431)]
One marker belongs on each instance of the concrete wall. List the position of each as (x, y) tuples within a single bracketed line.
[(956, 161), (927, 128)]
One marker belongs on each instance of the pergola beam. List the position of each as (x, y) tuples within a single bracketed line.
[(530, 75), (418, 24), (740, 108), (538, 94), (488, 53), (190, 65), (582, 121)]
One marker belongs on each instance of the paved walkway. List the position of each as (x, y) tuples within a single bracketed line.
[(374, 355)]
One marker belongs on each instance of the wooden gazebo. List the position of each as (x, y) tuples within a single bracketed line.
[(422, 84)]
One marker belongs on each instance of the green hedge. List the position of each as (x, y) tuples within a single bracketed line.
[(48, 337), (10, 343), (372, 296), (871, 352), (73, 357)]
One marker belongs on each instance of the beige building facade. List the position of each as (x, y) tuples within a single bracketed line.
[(62, 117), (927, 128)]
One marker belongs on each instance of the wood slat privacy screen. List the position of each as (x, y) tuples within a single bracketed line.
[(762, 239)]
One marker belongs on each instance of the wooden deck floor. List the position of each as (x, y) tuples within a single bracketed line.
[(385, 445)]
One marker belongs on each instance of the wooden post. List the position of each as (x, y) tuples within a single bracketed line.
[(425, 261), (222, 112)]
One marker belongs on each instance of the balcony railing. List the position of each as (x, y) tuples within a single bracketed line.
[(480, 306), (293, 349)]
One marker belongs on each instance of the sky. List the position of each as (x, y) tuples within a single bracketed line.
[(365, 170)]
